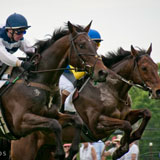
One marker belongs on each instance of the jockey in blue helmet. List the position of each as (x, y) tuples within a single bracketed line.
[(16, 21), (95, 36), (11, 39)]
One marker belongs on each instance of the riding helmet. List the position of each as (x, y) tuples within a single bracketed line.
[(16, 21), (94, 35)]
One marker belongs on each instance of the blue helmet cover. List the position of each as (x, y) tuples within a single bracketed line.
[(16, 21), (94, 35)]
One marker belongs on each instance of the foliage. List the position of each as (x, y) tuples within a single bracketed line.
[(158, 68)]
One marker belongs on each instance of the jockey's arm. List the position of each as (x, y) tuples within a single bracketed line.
[(8, 58)]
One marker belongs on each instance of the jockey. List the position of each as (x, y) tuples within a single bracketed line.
[(69, 77), (11, 39)]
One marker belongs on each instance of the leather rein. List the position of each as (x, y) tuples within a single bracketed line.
[(79, 55)]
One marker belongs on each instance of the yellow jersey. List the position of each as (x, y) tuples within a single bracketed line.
[(77, 74)]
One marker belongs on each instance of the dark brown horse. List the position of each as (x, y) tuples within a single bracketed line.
[(25, 104), (106, 107)]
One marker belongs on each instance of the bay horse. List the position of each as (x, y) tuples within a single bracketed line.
[(106, 107), (25, 105)]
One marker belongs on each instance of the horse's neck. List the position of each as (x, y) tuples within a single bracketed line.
[(53, 58), (125, 70)]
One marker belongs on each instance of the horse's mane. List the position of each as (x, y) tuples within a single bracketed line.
[(41, 45), (114, 57)]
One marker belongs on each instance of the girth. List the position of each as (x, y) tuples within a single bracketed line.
[(35, 84)]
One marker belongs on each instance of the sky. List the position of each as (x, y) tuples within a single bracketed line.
[(121, 23)]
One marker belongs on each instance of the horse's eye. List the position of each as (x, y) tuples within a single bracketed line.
[(144, 68), (81, 46)]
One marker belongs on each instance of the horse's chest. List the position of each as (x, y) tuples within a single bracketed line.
[(107, 97)]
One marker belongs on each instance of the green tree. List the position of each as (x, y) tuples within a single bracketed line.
[(158, 68)]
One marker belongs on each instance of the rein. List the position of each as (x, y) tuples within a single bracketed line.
[(131, 83)]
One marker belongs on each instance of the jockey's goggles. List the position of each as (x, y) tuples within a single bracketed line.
[(98, 42), (19, 32)]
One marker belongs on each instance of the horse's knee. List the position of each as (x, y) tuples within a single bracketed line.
[(127, 127), (78, 122), (53, 124)]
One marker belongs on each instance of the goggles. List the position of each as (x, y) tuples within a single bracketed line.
[(97, 42), (19, 32)]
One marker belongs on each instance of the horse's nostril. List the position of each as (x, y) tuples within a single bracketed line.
[(158, 93)]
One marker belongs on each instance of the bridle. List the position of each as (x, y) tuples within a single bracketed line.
[(143, 86), (88, 68)]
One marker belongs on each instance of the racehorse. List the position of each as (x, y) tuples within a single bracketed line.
[(106, 107), (25, 104)]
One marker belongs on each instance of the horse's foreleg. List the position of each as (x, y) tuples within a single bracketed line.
[(133, 116), (76, 121), (31, 122), (107, 124)]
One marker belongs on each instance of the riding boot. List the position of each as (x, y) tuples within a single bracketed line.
[(62, 108)]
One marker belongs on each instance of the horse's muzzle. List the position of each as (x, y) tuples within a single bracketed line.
[(155, 94), (158, 93)]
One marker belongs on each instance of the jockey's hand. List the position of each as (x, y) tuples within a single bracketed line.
[(27, 65), (30, 54)]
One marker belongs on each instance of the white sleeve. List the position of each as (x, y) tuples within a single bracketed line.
[(8, 58), (26, 47)]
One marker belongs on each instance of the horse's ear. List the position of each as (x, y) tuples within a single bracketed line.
[(133, 51), (87, 28), (149, 49), (72, 29)]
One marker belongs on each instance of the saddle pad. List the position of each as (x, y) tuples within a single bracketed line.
[(2, 82)]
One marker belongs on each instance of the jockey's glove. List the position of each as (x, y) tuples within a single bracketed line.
[(30, 54), (27, 65)]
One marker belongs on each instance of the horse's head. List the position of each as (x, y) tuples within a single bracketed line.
[(83, 53), (146, 71)]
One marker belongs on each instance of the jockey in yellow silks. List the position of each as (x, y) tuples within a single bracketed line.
[(69, 77), (77, 74)]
